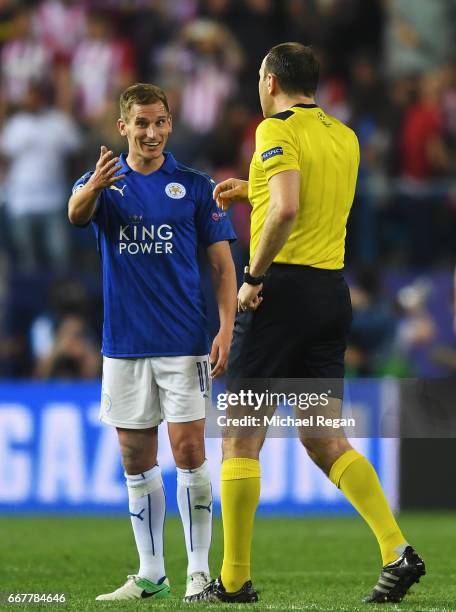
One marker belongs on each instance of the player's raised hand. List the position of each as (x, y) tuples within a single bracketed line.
[(105, 170), (229, 191)]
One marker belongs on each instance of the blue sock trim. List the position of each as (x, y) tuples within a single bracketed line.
[(150, 526), (164, 519), (212, 500), (190, 513)]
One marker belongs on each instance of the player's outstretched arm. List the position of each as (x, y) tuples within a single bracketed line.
[(229, 191), (81, 205), (224, 281)]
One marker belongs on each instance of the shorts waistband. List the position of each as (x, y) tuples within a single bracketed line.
[(306, 270)]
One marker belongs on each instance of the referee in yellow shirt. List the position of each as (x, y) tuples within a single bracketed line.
[(295, 311)]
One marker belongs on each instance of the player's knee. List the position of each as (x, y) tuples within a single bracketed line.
[(135, 460), (188, 452)]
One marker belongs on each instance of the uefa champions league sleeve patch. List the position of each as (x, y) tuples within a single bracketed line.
[(78, 187), (80, 183), (271, 153)]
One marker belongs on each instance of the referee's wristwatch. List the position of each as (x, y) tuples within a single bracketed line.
[(252, 280)]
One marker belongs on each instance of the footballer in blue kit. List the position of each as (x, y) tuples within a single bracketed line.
[(148, 230), (150, 215)]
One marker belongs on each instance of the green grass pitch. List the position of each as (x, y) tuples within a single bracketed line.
[(298, 563)]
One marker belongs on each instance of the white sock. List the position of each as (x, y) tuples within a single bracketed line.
[(194, 498), (147, 506)]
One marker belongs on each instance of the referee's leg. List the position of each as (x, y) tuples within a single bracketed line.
[(354, 475), (240, 493)]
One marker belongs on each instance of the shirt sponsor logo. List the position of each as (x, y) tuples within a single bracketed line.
[(136, 238), (175, 191), (135, 218), (271, 153)]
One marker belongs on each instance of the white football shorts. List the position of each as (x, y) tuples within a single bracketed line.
[(139, 393)]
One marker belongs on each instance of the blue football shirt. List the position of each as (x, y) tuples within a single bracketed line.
[(148, 229)]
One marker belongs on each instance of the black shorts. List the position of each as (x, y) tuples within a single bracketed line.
[(299, 331)]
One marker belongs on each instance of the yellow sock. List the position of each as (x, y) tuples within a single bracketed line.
[(240, 492), (357, 479)]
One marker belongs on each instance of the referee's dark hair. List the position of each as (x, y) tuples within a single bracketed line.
[(295, 67)]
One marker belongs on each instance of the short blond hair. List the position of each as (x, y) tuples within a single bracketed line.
[(141, 93)]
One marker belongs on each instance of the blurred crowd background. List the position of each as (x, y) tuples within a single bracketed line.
[(388, 70)]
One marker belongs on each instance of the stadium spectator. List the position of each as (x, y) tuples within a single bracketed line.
[(373, 326), (424, 158), (103, 64), (217, 10), (351, 28), (424, 154), (264, 18), (66, 298), (36, 141), (303, 22), (416, 330), (7, 13), (73, 354), (60, 25), (24, 60), (417, 36), (332, 93), (199, 68), (368, 110)]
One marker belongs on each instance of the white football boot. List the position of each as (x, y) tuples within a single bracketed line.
[(138, 588), (195, 584)]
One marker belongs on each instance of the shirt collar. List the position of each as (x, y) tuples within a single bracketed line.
[(125, 168), (306, 105), (168, 166)]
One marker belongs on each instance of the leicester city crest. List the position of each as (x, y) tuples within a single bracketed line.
[(175, 190)]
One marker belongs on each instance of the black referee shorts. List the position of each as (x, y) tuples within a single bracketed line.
[(299, 331)]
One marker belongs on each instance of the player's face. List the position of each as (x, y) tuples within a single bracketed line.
[(147, 130)]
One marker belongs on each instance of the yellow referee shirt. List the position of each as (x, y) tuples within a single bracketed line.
[(326, 152)]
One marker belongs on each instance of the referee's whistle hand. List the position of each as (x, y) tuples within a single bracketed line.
[(229, 191), (249, 297)]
